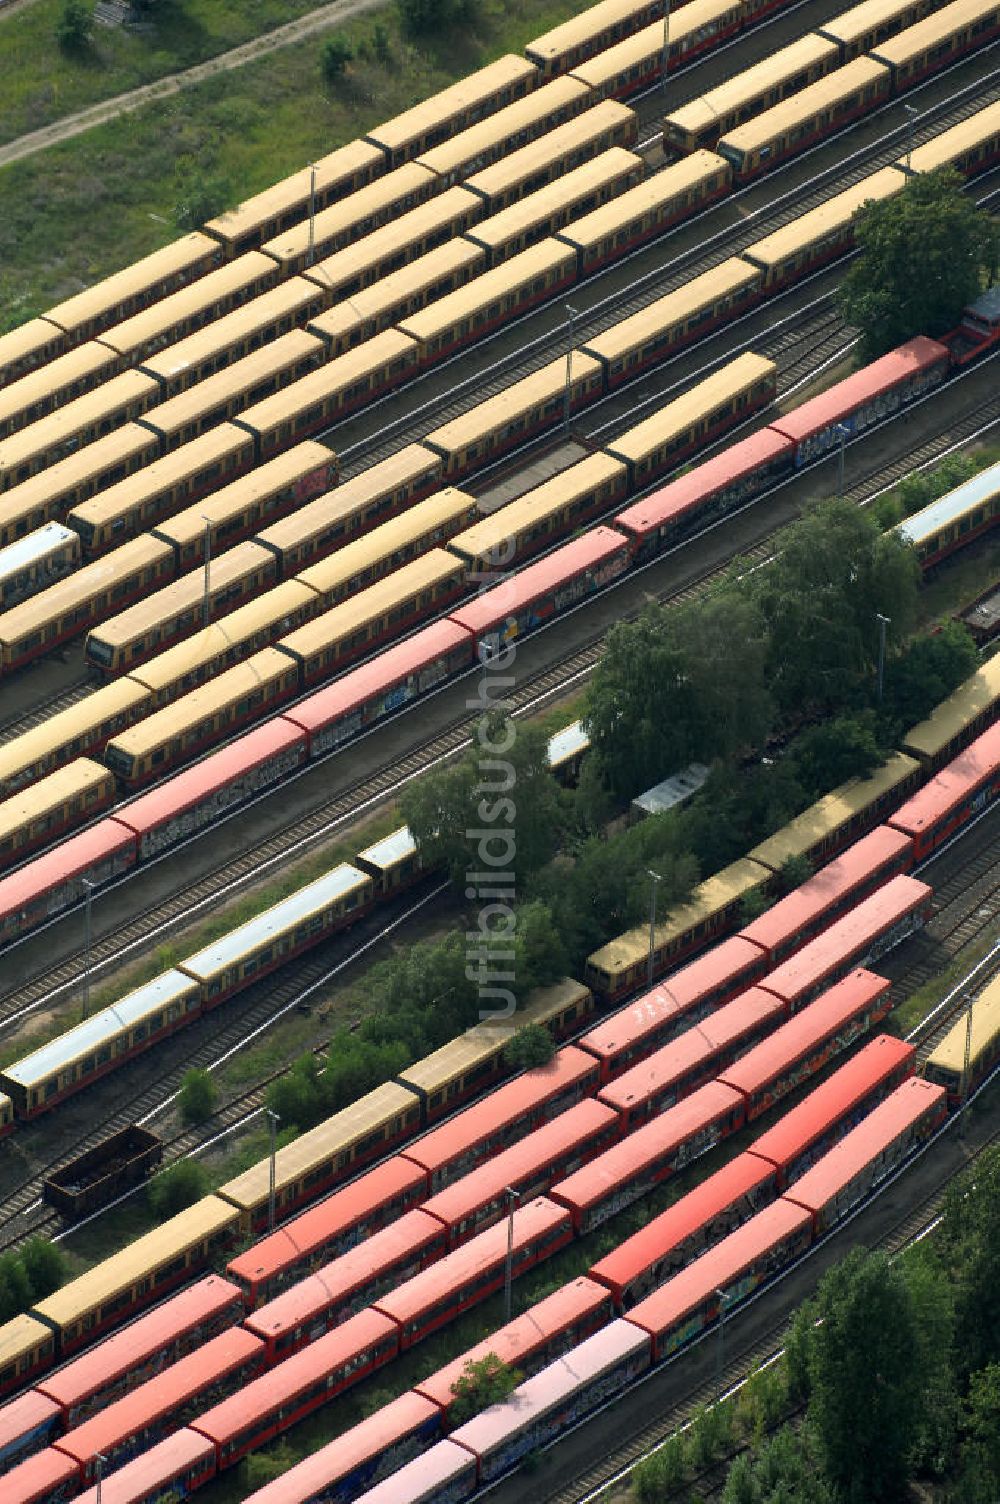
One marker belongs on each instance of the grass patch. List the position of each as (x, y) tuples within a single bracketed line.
[(920, 1003), (94, 204)]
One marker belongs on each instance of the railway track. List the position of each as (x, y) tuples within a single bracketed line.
[(43, 711)]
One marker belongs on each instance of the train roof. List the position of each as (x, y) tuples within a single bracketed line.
[(698, 1208), (323, 1144), (77, 589), (422, 573), (389, 243), (345, 161), (163, 473), (39, 385), (713, 896), (344, 215), (519, 166), (427, 1477), (466, 302), (724, 280), (840, 401), (834, 812), (678, 496), (606, 15), (706, 396), (289, 300), (468, 92), (61, 479), (360, 557), (463, 1266), (507, 521), (178, 259), (567, 744), (32, 1070), (865, 1143), (406, 465), (536, 208), (319, 1224), (147, 1336), (719, 1267), (458, 1056), (37, 545), (949, 1055), (463, 149), (980, 491), (674, 181), (387, 298), (502, 409), (503, 1106), (75, 855), (191, 708), (646, 1146), (31, 338), (234, 279), (279, 355), (235, 564), (91, 407), (978, 764), (47, 1475), (622, 60), (391, 849), (513, 1343), (599, 546), (206, 1219), (74, 781), (837, 1096), (295, 465), (948, 146), (816, 98), (102, 706), (19, 1336), (296, 1374), (825, 220), (367, 1442), (796, 911), (978, 698), (855, 24), (930, 33), (20, 1416), (144, 1477), (757, 80), (343, 371)]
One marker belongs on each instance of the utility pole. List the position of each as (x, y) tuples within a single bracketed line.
[(966, 1062), (883, 622), (206, 605), (311, 252), (843, 434), (273, 1120), (656, 880), (911, 114), (666, 50), (569, 369), (87, 937), (513, 1197), (99, 1462), (720, 1346)]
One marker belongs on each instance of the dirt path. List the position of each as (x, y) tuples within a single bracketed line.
[(109, 109)]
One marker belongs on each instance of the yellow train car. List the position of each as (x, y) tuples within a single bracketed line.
[(807, 117), (165, 616), (699, 123), (577, 193), (67, 377), (970, 147), (250, 503), (288, 306), (713, 908), (958, 719), (358, 504), (87, 314), (821, 234), (283, 204), (349, 219), (509, 129), (80, 730), (637, 62), (55, 804), (428, 524), (598, 27), (557, 152), (246, 382), (27, 1346), (191, 308), (66, 609), (462, 104), (324, 1155), (117, 401), (197, 720), (938, 41), (736, 391), (490, 300), (132, 505), (28, 347), (395, 297), (945, 1065), (140, 1273), (326, 396), (394, 861), (52, 494), (524, 408), (864, 26), (358, 626), (507, 537), (404, 239), (643, 212)]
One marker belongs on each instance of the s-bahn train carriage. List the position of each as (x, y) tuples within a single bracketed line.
[(821, 234), (115, 402), (28, 347), (513, 126), (945, 1066), (124, 293), (958, 720), (954, 520), (394, 861), (596, 28), (36, 561), (962, 790), (454, 109), (40, 814), (65, 379)]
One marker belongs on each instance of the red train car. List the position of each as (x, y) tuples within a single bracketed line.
[(652, 1153), (27, 1424), (283, 1395), (691, 1301), (852, 1169), (347, 1284), (811, 908), (707, 1213), (379, 1196), (175, 1467), (464, 1278), (219, 783), (139, 1419), (550, 1327), (446, 1472), (871, 929), (805, 1132), (504, 1117), (361, 1457), (694, 1057), (48, 1478), (807, 1042), (120, 1363), (676, 1004), (954, 796), (543, 590), (368, 694), (553, 1151), (55, 880)]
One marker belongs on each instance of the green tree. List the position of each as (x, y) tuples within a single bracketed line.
[(796, 871), (531, 1046), (337, 53), (435, 16), (830, 753), (865, 1378), (483, 1382), (196, 1098), (923, 256), (201, 195), (936, 1429), (296, 1096), (45, 1266), (661, 1473), (15, 1287), (180, 1186), (968, 1245), (75, 26), (980, 1474), (380, 43), (928, 670)]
